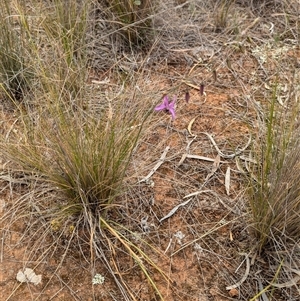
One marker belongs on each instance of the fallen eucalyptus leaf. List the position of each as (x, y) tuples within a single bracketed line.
[(227, 180), (214, 168), (190, 126)]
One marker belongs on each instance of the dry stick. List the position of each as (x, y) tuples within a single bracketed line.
[(203, 158), (187, 155), (2, 249), (195, 193), (290, 283), (224, 155), (187, 149), (239, 283), (214, 169), (182, 204), (156, 167)]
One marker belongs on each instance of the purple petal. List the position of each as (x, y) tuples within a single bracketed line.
[(172, 111), (164, 105), (171, 108), (172, 103), (160, 107), (166, 100)]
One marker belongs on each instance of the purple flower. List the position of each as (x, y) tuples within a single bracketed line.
[(167, 106)]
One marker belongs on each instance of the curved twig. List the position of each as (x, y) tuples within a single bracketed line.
[(221, 153), (239, 283)]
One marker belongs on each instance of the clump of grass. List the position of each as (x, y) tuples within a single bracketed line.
[(81, 154), (134, 19), (84, 159), (274, 186), (222, 11), (15, 73), (64, 59)]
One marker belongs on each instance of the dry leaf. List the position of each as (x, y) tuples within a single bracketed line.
[(182, 159), (215, 167), (227, 180), (239, 283), (174, 210), (29, 276), (190, 126), (239, 166), (202, 158)]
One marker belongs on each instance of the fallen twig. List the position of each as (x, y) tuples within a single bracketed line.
[(195, 193), (182, 204), (221, 153), (156, 167), (174, 210), (187, 149), (239, 283), (184, 156)]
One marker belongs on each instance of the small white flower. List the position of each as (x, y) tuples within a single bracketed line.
[(28, 275), (98, 279)]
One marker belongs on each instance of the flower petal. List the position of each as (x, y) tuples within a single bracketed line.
[(160, 107), (172, 111), (171, 107), (172, 103), (166, 100)]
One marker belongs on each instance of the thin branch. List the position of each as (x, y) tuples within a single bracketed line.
[(156, 167)]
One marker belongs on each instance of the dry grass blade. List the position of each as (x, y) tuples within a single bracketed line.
[(139, 257)]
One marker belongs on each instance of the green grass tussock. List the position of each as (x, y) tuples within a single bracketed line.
[(274, 186), (133, 20), (15, 68), (64, 136)]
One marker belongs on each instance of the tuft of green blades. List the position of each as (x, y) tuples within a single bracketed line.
[(60, 140), (274, 189)]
